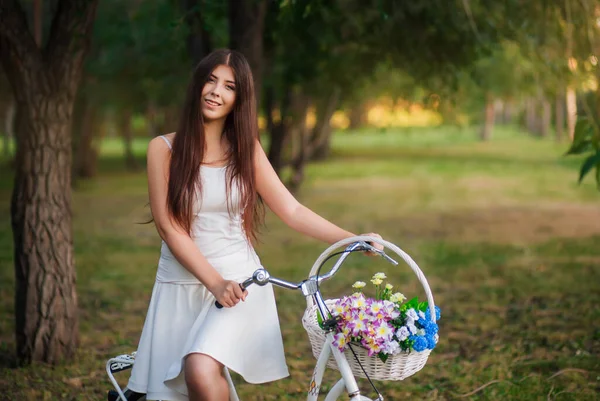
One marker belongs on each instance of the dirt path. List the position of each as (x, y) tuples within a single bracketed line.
[(510, 224)]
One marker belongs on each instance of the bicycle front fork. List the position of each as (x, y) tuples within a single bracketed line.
[(347, 382)]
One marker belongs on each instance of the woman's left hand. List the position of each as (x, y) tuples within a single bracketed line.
[(374, 244)]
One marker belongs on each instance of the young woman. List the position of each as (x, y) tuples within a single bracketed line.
[(206, 184)]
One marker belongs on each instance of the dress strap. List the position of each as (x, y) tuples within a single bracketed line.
[(167, 141)]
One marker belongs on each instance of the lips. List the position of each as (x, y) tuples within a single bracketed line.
[(211, 102)]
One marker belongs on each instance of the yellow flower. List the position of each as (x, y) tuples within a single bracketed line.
[(380, 276), (377, 281), (388, 286), (397, 297), (359, 284)]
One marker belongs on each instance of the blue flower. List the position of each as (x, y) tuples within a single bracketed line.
[(430, 342), (420, 343), (431, 328), (438, 313)]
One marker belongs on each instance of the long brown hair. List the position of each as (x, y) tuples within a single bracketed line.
[(241, 132)]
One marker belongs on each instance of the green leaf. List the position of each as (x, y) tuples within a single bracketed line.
[(579, 148), (588, 164), (383, 357), (422, 306), (583, 129), (413, 303), (582, 140), (319, 319)]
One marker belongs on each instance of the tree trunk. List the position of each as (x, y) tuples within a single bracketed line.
[(509, 112), (560, 116), (277, 129), (198, 40), (299, 131), (246, 28), (488, 123), (9, 124), (127, 134), (44, 85), (571, 100), (498, 111), (46, 301), (171, 120), (546, 118), (320, 141), (530, 116), (358, 116), (151, 113), (85, 156)]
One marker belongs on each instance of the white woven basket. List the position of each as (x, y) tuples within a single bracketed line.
[(397, 367)]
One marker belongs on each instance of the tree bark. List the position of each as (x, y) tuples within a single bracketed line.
[(44, 85), (37, 22), (246, 28), (488, 123), (560, 117), (9, 124), (571, 100)]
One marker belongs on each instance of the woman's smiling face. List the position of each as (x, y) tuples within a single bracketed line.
[(218, 94)]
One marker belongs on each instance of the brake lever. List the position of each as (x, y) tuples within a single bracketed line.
[(380, 252)]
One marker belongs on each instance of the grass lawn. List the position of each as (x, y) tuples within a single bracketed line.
[(507, 239)]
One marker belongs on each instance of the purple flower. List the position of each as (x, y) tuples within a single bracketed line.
[(402, 333), (340, 341)]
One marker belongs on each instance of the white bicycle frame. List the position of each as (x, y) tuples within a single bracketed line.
[(118, 364), (348, 382)]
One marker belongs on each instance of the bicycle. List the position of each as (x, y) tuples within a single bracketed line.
[(315, 302)]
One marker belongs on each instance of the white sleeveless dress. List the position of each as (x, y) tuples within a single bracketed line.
[(182, 318)]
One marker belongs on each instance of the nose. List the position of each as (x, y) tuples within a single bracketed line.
[(216, 90)]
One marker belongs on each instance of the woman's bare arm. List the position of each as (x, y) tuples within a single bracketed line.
[(288, 209)]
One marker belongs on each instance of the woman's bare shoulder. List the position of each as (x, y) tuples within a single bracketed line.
[(158, 149)]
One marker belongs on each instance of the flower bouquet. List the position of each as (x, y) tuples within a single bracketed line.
[(384, 325), (393, 338)]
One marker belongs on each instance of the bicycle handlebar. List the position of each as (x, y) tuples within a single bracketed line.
[(310, 286)]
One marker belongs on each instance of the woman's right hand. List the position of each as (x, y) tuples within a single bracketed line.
[(229, 293)]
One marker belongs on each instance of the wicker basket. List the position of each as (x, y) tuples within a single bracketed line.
[(398, 366)]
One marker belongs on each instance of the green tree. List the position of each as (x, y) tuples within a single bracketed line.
[(138, 65)]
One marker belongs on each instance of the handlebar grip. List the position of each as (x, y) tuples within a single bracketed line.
[(218, 304)]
